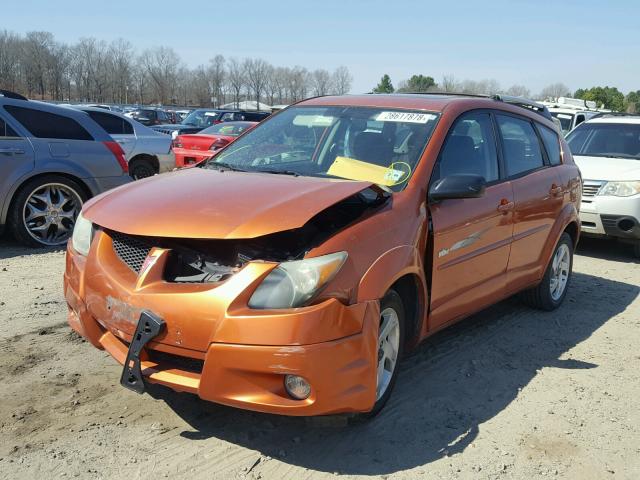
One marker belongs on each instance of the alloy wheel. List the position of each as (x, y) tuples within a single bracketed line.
[(560, 271), (50, 212), (388, 347)]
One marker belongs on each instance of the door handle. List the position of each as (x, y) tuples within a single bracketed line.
[(555, 190), (12, 151), (505, 206)]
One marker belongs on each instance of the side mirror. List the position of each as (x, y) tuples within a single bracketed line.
[(457, 186)]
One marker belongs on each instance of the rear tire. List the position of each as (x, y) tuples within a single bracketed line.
[(44, 210), (392, 314), (141, 168), (550, 292)]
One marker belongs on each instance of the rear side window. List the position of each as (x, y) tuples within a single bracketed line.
[(470, 148), (112, 124), (551, 144), (48, 125), (6, 130), (521, 145)]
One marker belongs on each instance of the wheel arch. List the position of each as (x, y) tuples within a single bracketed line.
[(147, 156), (400, 269), (20, 185)]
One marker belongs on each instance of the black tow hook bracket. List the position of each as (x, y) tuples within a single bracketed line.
[(149, 326)]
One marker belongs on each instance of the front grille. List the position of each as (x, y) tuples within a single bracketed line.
[(591, 187), (164, 130), (131, 250)]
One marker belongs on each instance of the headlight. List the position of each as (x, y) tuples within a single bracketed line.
[(291, 284), (620, 189), (82, 235)]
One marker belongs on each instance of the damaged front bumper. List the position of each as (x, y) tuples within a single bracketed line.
[(214, 346)]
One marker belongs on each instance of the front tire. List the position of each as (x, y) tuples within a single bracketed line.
[(550, 292), (44, 211), (391, 336)]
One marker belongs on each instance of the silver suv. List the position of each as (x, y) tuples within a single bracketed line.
[(52, 159)]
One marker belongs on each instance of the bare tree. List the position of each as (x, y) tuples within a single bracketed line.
[(554, 90), (92, 70), (256, 71), (236, 78), (518, 91), (10, 56), (217, 74), (321, 82), (120, 63), (162, 64), (37, 53), (342, 80), (449, 84)]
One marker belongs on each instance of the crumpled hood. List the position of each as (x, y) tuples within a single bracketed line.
[(604, 168), (212, 204)]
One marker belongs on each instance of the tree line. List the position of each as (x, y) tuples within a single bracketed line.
[(91, 70), (605, 97)]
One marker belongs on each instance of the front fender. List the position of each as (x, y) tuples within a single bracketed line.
[(387, 269)]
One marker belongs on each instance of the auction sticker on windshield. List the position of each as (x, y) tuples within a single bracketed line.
[(406, 117)]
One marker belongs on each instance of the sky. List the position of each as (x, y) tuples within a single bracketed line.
[(582, 43)]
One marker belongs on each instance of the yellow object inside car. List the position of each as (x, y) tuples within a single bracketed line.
[(345, 167)]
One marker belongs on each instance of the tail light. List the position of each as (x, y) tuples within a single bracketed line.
[(176, 142), (119, 154), (218, 144)]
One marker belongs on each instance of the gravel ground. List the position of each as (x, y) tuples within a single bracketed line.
[(508, 393)]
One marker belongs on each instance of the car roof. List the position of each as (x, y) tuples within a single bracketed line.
[(436, 102), (616, 119), (82, 118)]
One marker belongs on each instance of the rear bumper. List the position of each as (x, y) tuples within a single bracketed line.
[(186, 157), (341, 371), (102, 184), (166, 162)]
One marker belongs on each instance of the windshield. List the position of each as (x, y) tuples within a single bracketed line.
[(566, 120), (230, 129), (382, 146), (606, 140), (201, 118)]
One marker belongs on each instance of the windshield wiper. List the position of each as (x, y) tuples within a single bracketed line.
[(223, 165), (278, 172)]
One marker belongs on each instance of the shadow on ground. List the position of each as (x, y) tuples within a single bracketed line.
[(606, 249), (9, 248), (454, 382)]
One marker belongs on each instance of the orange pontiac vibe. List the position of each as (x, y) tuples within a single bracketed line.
[(322, 244)]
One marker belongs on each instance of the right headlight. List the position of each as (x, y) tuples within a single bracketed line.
[(620, 189), (292, 284), (82, 235)]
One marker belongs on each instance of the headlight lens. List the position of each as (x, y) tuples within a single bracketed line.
[(82, 234), (291, 284), (620, 189)]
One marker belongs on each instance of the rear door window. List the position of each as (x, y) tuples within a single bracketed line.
[(521, 147), (470, 148), (6, 130), (112, 124), (551, 144), (48, 125)]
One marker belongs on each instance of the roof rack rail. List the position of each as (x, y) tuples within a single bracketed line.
[(525, 103), (10, 94)]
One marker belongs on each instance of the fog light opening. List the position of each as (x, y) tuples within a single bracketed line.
[(297, 387), (626, 225)]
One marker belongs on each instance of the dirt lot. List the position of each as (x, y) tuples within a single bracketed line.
[(509, 393)]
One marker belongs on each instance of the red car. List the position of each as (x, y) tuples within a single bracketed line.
[(194, 148)]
